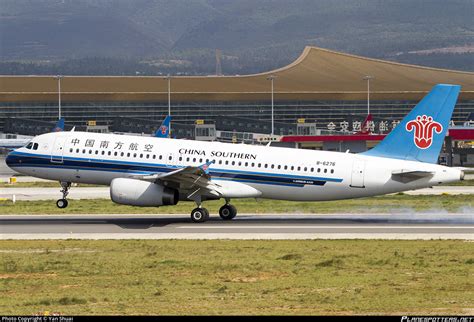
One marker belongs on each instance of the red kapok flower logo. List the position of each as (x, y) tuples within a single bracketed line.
[(424, 127), (163, 129)]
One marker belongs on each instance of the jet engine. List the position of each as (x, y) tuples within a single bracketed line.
[(141, 193)]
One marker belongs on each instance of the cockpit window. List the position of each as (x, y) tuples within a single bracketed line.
[(29, 146), (35, 146)]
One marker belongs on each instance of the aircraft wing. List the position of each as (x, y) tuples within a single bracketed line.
[(197, 181), (187, 178)]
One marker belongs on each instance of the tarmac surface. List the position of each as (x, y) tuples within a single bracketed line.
[(38, 193), (244, 226)]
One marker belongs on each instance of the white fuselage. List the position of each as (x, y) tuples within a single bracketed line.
[(278, 173)]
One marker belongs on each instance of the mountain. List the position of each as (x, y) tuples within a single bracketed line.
[(265, 33)]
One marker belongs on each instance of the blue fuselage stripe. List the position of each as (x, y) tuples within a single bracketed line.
[(19, 159)]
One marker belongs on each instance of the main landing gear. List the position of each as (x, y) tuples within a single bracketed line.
[(226, 212), (199, 215), (62, 203)]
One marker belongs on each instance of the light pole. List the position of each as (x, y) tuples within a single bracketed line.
[(168, 78), (272, 78), (58, 78), (368, 78)]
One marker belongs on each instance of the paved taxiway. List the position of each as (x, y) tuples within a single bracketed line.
[(37, 193), (245, 226)]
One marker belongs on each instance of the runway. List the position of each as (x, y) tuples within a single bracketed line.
[(37, 193), (245, 226)]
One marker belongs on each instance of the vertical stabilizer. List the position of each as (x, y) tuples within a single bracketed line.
[(420, 135), (164, 130)]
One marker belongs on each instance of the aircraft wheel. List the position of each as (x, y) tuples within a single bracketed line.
[(61, 203), (228, 212), (199, 215)]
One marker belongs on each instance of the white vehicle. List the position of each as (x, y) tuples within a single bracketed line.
[(152, 172)]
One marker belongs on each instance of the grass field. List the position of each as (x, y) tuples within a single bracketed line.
[(237, 277), (399, 203)]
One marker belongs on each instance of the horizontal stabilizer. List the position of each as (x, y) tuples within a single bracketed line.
[(404, 175)]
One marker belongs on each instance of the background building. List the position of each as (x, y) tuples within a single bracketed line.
[(322, 92)]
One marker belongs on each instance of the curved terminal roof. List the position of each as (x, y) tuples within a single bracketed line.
[(318, 74)]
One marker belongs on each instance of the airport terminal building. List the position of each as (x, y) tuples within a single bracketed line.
[(322, 94)]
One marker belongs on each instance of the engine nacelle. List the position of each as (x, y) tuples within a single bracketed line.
[(141, 193)]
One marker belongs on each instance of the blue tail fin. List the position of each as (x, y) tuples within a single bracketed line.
[(59, 126), (420, 135), (164, 130)]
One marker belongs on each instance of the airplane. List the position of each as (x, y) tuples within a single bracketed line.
[(153, 172), (365, 128), (164, 130), (12, 144)]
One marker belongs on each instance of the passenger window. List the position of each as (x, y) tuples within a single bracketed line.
[(279, 166), (332, 170), (299, 168), (266, 165), (200, 160), (312, 169), (259, 165), (305, 169), (286, 167), (292, 167), (83, 150), (180, 158), (141, 155), (220, 161), (70, 150), (161, 157), (128, 155), (134, 155), (147, 156), (169, 158), (246, 164), (90, 151), (194, 159), (122, 154), (109, 153), (253, 164), (103, 152), (325, 170), (233, 162), (273, 166), (226, 162), (154, 156), (77, 150), (319, 170)]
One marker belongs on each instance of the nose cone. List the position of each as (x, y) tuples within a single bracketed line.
[(11, 160)]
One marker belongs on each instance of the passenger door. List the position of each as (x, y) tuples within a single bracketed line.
[(57, 151), (358, 170)]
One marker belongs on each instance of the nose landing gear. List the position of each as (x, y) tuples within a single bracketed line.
[(62, 203)]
